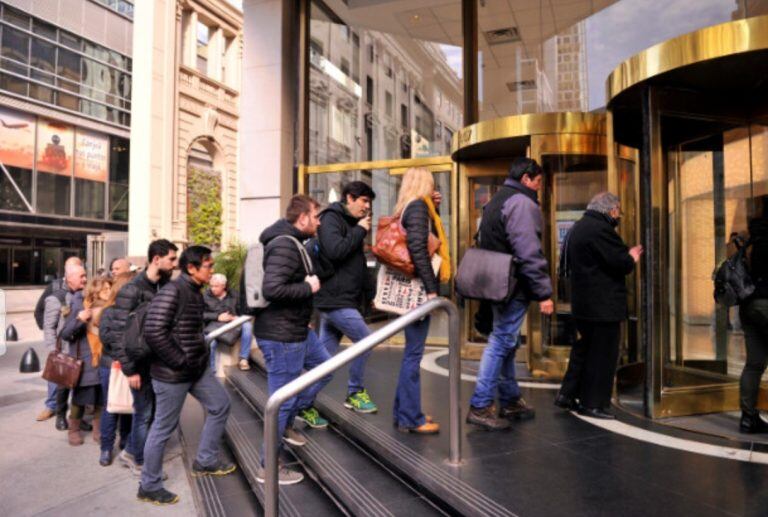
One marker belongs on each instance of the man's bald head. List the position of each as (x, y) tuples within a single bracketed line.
[(73, 261), (75, 277), (119, 266)]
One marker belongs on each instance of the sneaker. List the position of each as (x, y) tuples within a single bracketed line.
[(517, 410), (751, 423), (222, 468), (486, 418), (127, 460), (45, 414), (312, 418), (294, 438), (244, 365), (361, 402), (285, 476), (160, 497), (425, 428)]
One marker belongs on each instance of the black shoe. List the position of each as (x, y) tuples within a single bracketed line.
[(61, 423), (517, 410), (752, 423), (85, 426), (222, 468), (486, 418), (105, 460), (596, 412), (566, 403), (160, 497)]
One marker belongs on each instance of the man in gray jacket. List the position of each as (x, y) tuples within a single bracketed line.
[(57, 302), (512, 224)]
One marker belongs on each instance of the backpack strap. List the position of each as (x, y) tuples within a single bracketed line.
[(302, 251)]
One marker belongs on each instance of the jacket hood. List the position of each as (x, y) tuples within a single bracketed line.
[(341, 209), (281, 227), (509, 182)]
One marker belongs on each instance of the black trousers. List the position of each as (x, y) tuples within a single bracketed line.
[(62, 399), (754, 321), (592, 364)]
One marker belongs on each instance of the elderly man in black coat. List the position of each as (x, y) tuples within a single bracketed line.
[(597, 261)]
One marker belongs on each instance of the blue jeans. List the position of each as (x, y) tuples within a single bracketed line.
[(497, 366), (50, 399), (285, 362), (109, 421), (143, 405), (170, 399), (350, 323), (407, 409), (246, 336)]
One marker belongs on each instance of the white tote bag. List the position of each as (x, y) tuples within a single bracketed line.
[(398, 293), (120, 398)]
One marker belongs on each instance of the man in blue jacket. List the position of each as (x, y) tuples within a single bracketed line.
[(512, 223)]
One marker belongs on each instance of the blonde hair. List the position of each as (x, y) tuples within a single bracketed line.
[(418, 183), (93, 289)]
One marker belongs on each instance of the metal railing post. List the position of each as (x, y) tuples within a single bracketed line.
[(272, 409)]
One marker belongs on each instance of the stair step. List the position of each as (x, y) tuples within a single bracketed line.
[(244, 433), (359, 481)]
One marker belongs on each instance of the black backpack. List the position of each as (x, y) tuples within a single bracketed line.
[(134, 344), (733, 282), (50, 289)]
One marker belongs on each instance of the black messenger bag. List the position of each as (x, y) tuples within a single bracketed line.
[(486, 275)]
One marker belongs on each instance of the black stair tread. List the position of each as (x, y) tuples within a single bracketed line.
[(244, 433), (216, 496), (365, 486)]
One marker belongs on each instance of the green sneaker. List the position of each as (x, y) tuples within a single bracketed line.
[(312, 418), (361, 402)]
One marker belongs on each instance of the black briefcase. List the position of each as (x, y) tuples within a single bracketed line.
[(486, 275)]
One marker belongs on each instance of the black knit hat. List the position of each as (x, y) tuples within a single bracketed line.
[(522, 166)]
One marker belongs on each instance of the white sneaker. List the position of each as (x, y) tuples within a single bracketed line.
[(129, 462), (285, 476)]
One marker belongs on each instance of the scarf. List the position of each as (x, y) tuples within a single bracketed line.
[(444, 275), (92, 331)]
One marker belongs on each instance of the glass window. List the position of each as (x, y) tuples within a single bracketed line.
[(43, 55), (15, 45), (69, 68), (17, 141), (54, 167), (15, 188), (44, 29), (203, 38), (118, 179), (15, 17), (70, 40), (428, 53), (92, 152)]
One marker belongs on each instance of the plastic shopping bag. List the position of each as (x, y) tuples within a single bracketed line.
[(120, 399)]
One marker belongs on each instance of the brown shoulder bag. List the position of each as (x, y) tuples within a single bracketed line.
[(391, 247), (63, 369)]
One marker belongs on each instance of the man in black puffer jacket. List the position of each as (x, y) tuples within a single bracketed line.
[(341, 235), (173, 330), (282, 328), (161, 256)]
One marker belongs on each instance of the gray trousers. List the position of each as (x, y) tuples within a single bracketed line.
[(169, 399)]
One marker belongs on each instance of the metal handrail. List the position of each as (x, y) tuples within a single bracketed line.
[(225, 328), (309, 378)]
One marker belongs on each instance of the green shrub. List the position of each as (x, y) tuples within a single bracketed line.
[(230, 263), (204, 214)]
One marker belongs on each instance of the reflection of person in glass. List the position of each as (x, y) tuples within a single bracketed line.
[(753, 313), (55, 155)]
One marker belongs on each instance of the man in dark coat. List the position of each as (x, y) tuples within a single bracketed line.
[(598, 262), (346, 289), (173, 330), (161, 256), (221, 305), (511, 224), (282, 328)]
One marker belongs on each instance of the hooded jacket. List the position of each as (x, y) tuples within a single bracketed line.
[(286, 318), (342, 243)]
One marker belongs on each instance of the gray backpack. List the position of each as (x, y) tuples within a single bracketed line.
[(253, 273)]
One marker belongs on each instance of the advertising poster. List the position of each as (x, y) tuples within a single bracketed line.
[(54, 147), (17, 139), (91, 156)]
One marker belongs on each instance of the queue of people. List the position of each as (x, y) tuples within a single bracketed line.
[(314, 260)]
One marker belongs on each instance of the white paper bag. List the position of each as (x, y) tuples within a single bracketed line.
[(397, 292), (120, 398)]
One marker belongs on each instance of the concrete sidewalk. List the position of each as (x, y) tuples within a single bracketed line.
[(42, 475)]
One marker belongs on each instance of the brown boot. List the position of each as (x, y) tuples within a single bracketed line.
[(97, 426), (73, 433), (486, 418)]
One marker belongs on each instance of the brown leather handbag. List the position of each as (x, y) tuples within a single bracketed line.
[(63, 369), (391, 247)]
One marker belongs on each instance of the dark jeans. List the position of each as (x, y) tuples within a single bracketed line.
[(170, 399), (143, 413), (407, 409), (109, 421), (592, 364), (754, 321), (345, 322), (62, 400), (285, 362)]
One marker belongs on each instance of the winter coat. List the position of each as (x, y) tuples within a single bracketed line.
[(173, 329), (214, 307), (131, 295), (758, 230), (53, 321), (598, 260), (73, 332), (512, 223), (107, 336), (286, 318), (342, 243), (417, 224)]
